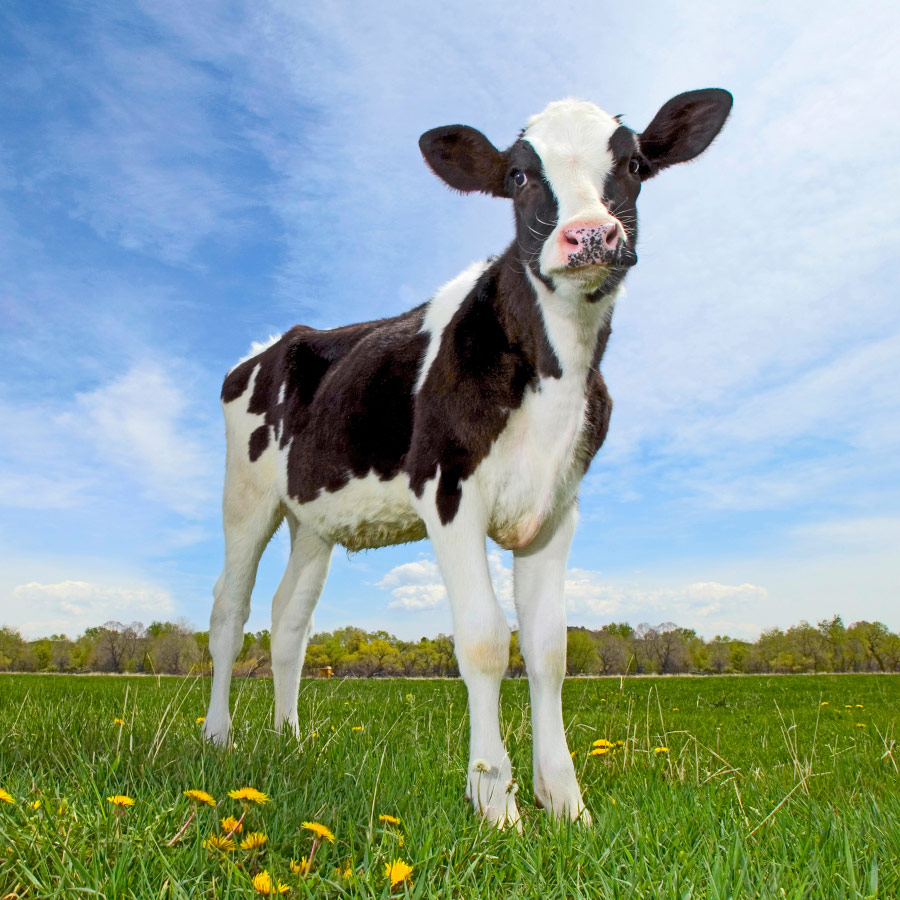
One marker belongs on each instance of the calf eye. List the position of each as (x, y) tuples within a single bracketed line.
[(520, 179), (634, 165)]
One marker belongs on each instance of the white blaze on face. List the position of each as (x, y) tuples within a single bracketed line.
[(572, 139)]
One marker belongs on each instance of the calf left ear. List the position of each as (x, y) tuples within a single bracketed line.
[(465, 159), (684, 127)]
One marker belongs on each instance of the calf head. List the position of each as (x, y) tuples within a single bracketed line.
[(574, 176)]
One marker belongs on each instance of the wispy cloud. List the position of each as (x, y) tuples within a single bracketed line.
[(68, 607)]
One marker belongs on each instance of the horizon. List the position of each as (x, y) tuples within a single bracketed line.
[(172, 183)]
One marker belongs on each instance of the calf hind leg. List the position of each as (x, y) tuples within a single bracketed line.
[(292, 609)]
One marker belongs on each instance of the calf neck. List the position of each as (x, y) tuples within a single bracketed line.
[(474, 415)]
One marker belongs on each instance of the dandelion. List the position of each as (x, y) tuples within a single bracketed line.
[(859, 706), (660, 749), (847, 706), (345, 873), (230, 825), (620, 743), (321, 831), (357, 728), (120, 801), (410, 698), (860, 724), (603, 742), (481, 765), (824, 703), (118, 721), (300, 868), (218, 842), (599, 751), (397, 871), (674, 709), (6, 797), (255, 840), (248, 795), (36, 805), (263, 884), (391, 820), (603, 699), (200, 720), (201, 798), (572, 753)]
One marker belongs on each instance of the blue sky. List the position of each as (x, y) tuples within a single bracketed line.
[(178, 180)]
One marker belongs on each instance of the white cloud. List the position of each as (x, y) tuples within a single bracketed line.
[(139, 423), (592, 598), (68, 607)]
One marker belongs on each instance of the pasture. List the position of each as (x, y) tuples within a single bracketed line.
[(769, 787)]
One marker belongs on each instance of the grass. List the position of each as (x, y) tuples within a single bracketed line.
[(764, 791)]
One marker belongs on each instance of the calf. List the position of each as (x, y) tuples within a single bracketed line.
[(474, 415)]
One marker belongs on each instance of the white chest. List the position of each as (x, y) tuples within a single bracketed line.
[(532, 469)]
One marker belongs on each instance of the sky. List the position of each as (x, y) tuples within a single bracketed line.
[(180, 180)]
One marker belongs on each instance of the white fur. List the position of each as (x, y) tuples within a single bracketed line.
[(441, 309), (572, 139)]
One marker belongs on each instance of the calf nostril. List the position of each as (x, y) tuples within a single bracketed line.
[(611, 236), (571, 239)]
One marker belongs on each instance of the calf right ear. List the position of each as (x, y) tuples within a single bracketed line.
[(465, 159)]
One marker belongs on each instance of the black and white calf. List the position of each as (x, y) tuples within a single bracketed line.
[(475, 415)]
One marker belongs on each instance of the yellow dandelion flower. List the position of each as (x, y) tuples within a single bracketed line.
[(410, 697), (599, 751), (860, 724), (248, 795), (674, 709), (346, 703), (200, 720), (847, 706), (219, 842), (397, 871), (620, 743), (118, 721), (201, 798), (357, 728), (603, 742), (300, 868), (860, 706), (572, 753), (320, 831), (36, 804), (120, 800), (6, 797), (660, 749), (253, 841), (230, 825), (263, 884), (391, 820), (824, 703)]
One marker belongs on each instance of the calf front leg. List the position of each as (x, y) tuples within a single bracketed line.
[(539, 576), (481, 636)]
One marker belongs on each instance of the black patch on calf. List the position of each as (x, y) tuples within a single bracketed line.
[(536, 209), (347, 400), (492, 351)]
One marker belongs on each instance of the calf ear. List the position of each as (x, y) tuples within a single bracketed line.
[(465, 159), (684, 127)]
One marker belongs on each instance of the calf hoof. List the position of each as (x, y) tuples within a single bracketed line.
[(217, 733), (492, 792)]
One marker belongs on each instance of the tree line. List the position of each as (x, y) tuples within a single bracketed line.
[(174, 648)]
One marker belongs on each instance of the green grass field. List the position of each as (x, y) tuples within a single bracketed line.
[(764, 791)]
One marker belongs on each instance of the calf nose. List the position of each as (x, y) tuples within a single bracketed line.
[(590, 238)]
